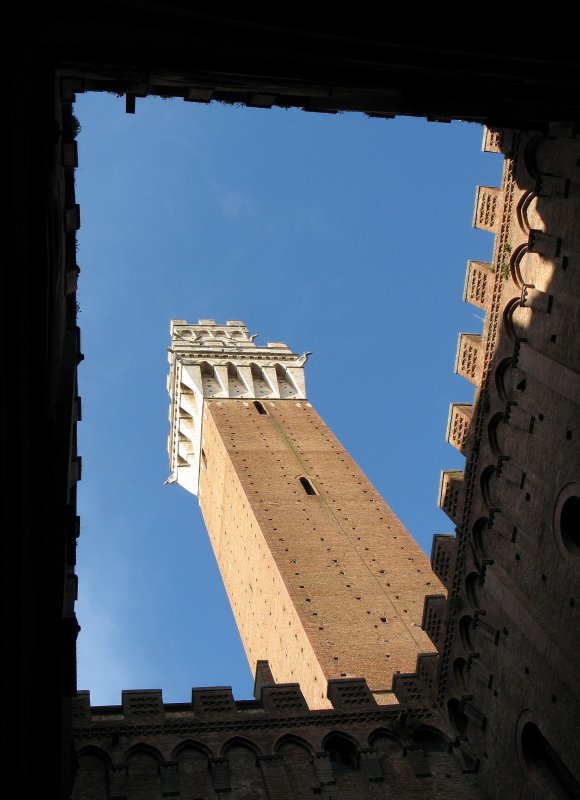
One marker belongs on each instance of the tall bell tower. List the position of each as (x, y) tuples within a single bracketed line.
[(323, 579)]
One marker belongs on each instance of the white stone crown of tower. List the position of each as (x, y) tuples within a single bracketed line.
[(213, 362)]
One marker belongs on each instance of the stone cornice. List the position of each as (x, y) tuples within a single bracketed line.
[(198, 727)]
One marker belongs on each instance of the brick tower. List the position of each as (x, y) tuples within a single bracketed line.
[(323, 579)]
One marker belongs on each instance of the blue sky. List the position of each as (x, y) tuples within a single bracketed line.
[(341, 235)]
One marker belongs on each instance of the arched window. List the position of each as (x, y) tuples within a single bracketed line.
[(570, 524), (307, 485), (566, 521), (545, 767), (194, 775), (343, 753)]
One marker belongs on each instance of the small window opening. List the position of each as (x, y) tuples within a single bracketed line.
[(204, 458), (259, 407), (307, 485)]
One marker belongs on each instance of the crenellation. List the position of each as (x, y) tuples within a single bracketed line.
[(458, 426), (351, 750), (434, 618), (497, 140), (214, 701), (478, 284), (469, 358), (488, 208), (443, 557), (451, 494)]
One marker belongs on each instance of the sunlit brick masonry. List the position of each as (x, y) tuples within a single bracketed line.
[(324, 580)]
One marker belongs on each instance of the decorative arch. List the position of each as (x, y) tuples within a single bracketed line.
[(143, 770), (473, 589), (381, 735), (191, 744), (143, 749), (297, 755), (91, 780), (479, 537), (541, 764), (343, 750), (516, 264), (96, 752), (493, 436), (430, 739), (194, 770), (291, 738), (512, 325), (502, 375), (240, 741), (466, 631), (245, 775), (522, 210), (566, 522), (489, 487), (460, 674)]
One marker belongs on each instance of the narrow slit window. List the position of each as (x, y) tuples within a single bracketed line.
[(259, 407), (307, 485)]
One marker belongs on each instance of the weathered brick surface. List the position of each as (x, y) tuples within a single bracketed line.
[(322, 586)]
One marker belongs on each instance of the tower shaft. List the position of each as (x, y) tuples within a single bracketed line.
[(323, 579)]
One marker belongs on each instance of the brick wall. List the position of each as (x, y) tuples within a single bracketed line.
[(323, 585)]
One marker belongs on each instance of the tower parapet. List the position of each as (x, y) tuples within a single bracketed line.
[(211, 361)]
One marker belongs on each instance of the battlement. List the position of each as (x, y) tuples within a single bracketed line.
[(212, 703), (269, 747), (216, 340)]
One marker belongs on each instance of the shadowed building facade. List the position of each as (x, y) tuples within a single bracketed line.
[(324, 580)]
